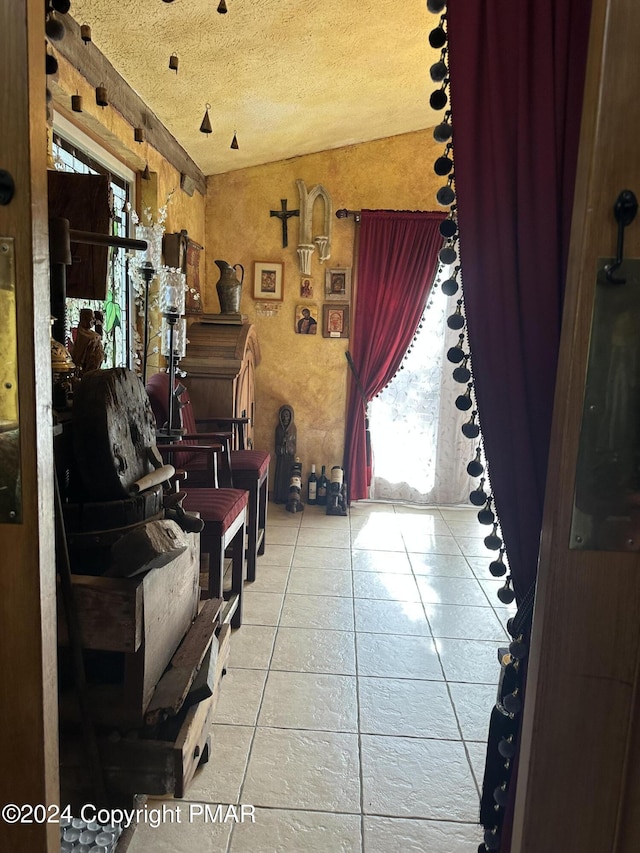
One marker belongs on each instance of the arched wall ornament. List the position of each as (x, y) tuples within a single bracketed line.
[(306, 246)]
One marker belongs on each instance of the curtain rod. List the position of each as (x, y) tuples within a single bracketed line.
[(343, 213)]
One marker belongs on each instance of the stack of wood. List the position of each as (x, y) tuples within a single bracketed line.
[(161, 755), (153, 660)]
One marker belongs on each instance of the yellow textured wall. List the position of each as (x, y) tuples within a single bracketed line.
[(233, 224), (308, 372)]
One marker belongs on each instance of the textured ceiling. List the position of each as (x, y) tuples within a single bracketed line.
[(290, 77)]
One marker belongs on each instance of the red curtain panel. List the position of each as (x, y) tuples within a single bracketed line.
[(517, 78), (397, 260)]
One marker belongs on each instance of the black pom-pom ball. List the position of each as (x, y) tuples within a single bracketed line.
[(506, 594), (445, 195), (507, 747), (447, 255), (437, 37), (497, 568), (438, 71), (448, 228), (449, 287), (442, 132), (443, 165), (438, 99), (462, 374)]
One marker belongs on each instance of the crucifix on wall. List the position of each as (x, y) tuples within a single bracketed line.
[(284, 215)]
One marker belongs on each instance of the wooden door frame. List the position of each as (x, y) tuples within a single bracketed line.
[(29, 700), (581, 724)]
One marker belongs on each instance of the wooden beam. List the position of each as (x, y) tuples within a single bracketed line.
[(97, 70), (28, 700)]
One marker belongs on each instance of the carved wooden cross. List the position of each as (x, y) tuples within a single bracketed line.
[(284, 215)]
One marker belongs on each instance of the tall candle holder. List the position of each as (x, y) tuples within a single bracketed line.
[(173, 335), (148, 273), (145, 269)]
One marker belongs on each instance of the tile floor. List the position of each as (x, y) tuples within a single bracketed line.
[(356, 704)]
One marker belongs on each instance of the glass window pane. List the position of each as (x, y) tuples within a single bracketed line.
[(115, 311)]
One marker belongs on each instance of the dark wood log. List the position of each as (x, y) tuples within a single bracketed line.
[(150, 546), (113, 428)]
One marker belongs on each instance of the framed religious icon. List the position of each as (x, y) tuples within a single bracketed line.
[(306, 322), (268, 281), (335, 320), (337, 284), (306, 287)]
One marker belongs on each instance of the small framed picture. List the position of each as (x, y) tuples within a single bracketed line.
[(306, 319), (268, 281), (335, 320), (337, 284), (306, 288)]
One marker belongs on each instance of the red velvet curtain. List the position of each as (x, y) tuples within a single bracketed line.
[(517, 76), (397, 259)]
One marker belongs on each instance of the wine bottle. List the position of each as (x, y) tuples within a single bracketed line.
[(322, 488), (337, 495), (294, 500), (335, 485), (337, 476), (312, 487)]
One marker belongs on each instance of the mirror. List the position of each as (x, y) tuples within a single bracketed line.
[(606, 512)]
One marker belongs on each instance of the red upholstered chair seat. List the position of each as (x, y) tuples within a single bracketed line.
[(255, 462), (218, 506)]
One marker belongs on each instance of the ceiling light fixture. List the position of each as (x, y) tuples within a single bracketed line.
[(222, 7)]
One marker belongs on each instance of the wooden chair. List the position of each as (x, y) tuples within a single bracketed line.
[(247, 469), (224, 514)]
